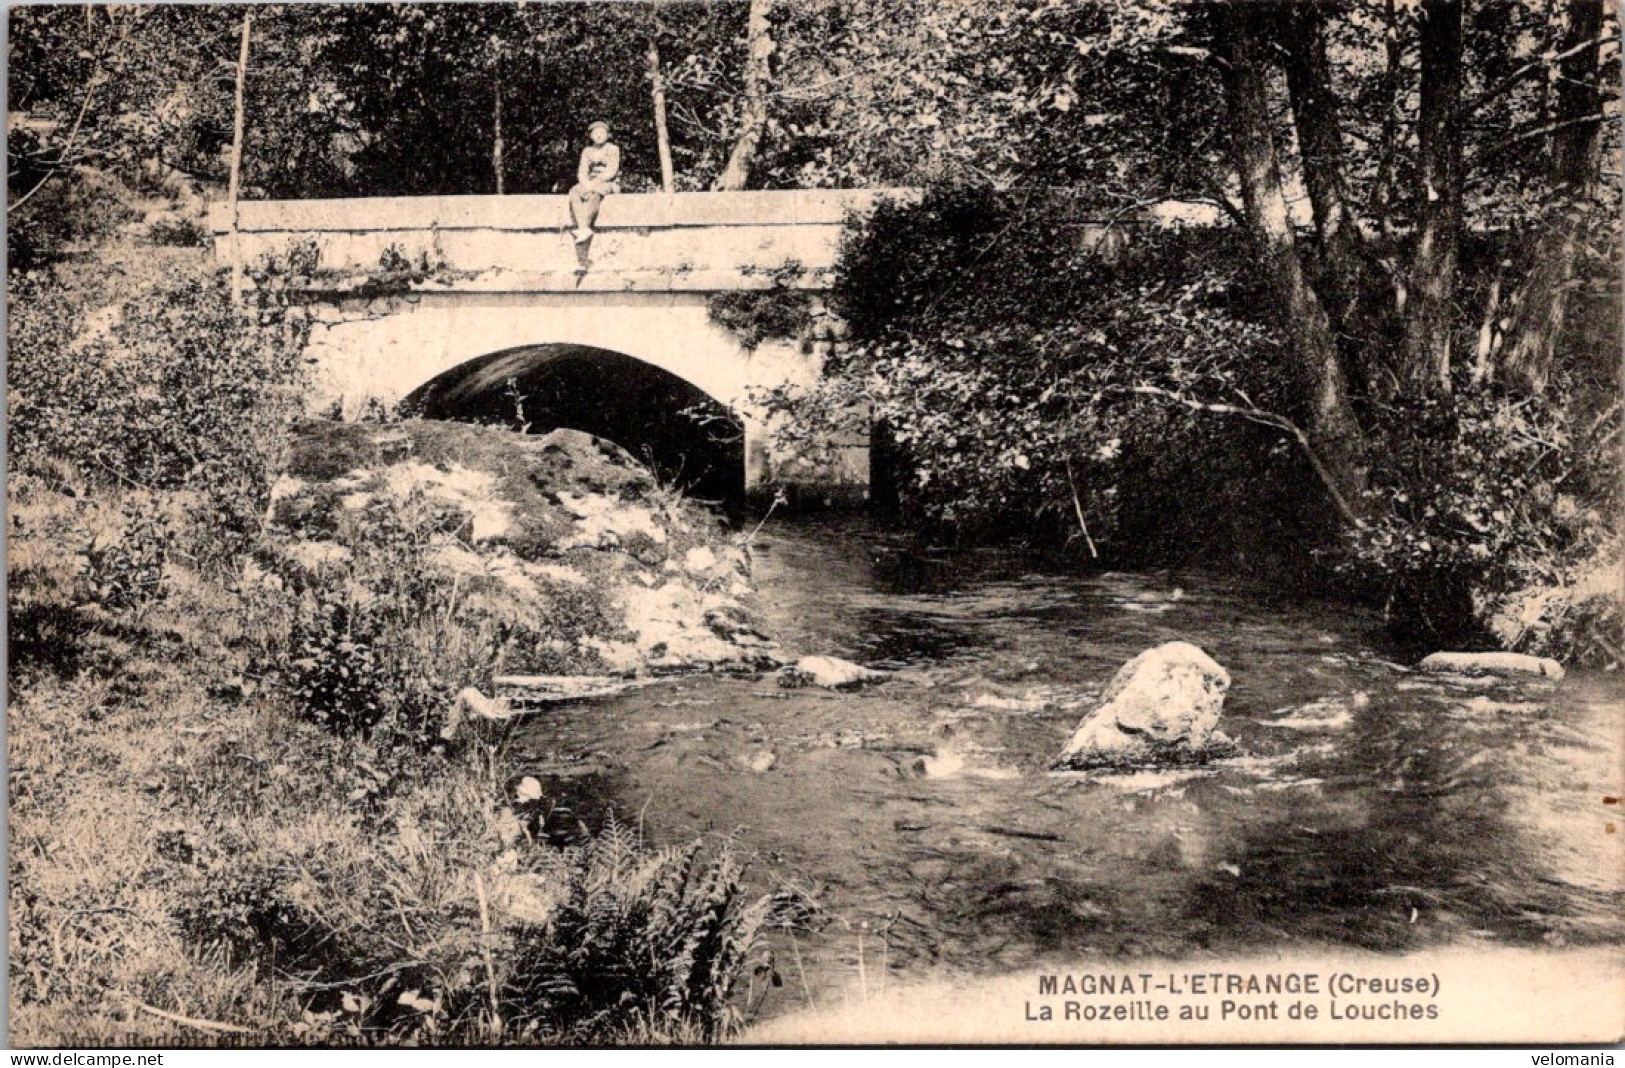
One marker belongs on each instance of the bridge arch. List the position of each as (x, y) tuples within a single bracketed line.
[(503, 273), (690, 438), (388, 348)]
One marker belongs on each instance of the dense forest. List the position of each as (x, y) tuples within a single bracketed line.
[(1411, 303)]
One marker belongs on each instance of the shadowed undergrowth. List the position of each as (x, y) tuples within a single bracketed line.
[(234, 818)]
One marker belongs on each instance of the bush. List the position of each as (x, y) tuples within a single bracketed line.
[(74, 208), (370, 634), (167, 388), (641, 943), (226, 795), (1492, 517), (1021, 370)]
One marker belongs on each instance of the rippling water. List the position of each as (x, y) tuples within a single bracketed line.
[(1370, 806)]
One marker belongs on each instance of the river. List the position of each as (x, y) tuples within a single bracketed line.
[(1370, 806)]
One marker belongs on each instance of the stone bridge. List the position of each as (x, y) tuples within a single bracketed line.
[(484, 308)]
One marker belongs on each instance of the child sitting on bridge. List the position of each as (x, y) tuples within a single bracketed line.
[(595, 179)]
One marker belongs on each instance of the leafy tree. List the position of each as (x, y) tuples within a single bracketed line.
[(445, 99), (1412, 184)]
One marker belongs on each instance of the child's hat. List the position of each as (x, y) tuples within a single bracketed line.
[(598, 125)]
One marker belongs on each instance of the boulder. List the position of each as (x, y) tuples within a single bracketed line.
[(1161, 707), (828, 672), (758, 761), (470, 705), (1491, 664), (566, 457)]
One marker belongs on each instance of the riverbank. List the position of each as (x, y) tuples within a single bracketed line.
[(238, 814)]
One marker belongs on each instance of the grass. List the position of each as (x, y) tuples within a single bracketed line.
[(198, 857), (194, 863), (233, 819)]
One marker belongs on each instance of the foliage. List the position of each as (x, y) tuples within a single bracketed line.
[(180, 231), (337, 99), (168, 388), (227, 789), (1118, 98), (1488, 506), (463, 64), (121, 88), (127, 570), (80, 208), (1010, 94), (756, 315), (208, 826), (866, 92), (1414, 288), (1019, 363), (365, 638), (231, 800), (1571, 609), (640, 940)]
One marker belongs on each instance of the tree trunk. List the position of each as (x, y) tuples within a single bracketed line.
[(1541, 305), (235, 182), (753, 121), (1574, 146), (1345, 265), (1320, 143), (496, 140), (1334, 434), (657, 86), (1433, 266)]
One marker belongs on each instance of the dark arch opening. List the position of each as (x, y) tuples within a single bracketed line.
[(687, 437)]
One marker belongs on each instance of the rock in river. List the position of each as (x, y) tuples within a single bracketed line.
[(829, 672), (1162, 706), (1491, 664)]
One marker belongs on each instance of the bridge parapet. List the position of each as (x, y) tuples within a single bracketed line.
[(695, 242)]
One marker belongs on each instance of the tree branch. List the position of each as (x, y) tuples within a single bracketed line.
[(1264, 418), (1510, 82), (1538, 131)]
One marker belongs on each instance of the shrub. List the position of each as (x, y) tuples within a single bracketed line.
[(180, 231), (641, 942), (1022, 371), (369, 635), (1492, 511), (167, 388), (126, 569), (753, 316)]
